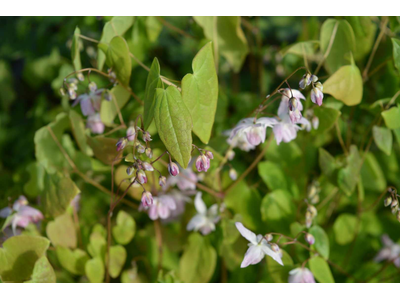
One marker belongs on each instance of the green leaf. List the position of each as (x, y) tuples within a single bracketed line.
[(43, 272), (229, 230), (75, 52), (116, 26), (392, 117), (119, 60), (278, 209), (104, 149), (327, 162), (307, 49), (174, 124), (125, 229), (73, 261), (279, 273), (153, 82), (117, 260), (94, 270), (227, 36), (273, 176), (396, 52), (364, 33), (153, 28), (98, 245), (58, 192), (345, 228), (61, 231), (198, 261), (46, 150), (35, 185), (78, 129), (345, 85), (343, 44), (320, 269), (200, 92), (321, 241), (19, 255), (327, 117), (383, 139), (372, 175), (108, 110), (348, 176)]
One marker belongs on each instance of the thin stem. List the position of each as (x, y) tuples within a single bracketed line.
[(157, 229), (173, 28), (339, 134), (328, 50)]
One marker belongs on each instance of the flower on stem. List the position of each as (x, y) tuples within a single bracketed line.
[(230, 155), (162, 207), (95, 124), (173, 168), (162, 181), (258, 248), (141, 177), (305, 81), (301, 275), (121, 144), (387, 201), (131, 133), (21, 215), (149, 153), (187, 181), (309, 238), (90, 102), (202, 163), (240, 141), (146, 136), (209, 154), (390, 251), (233, 174), (147, 167), (140, 148), (254, 130), (285, 130), (317, 95), (291, 104), (147, 199), (205, 220)]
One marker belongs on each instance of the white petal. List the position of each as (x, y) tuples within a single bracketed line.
[(196, 222), (199, 204), (253, 256), (268, 251), (247, 234)]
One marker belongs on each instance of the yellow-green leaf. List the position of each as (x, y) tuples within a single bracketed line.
[(78, 130), (109, 110), (94, 270), (153, 82), (392, 117), (75, 53), (320, 269), (43, 272), (117, 260)]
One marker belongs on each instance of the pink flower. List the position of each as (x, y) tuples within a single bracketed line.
[(95, 124), (390, 251), (91, 102), (291, 106), (202, 163), (301, 275), (186, 181), (317, 96), (205, 220), (173, 169), (161, 207), (147, 199), (131, 133), (254, 130), (258, 248), (23, 216)]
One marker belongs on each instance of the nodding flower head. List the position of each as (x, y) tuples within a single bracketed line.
[(387, 201), (130, 170), (173, 169), (141, 177), (149, 153), (95, 124), (92, 86), (140, 148), (301, 275), (121, 144), (202, 163), (317, 96), (162, 181), (147, 199), (233, 174), (209, 154), (146, 136), (305, 81), (147, 166), (131, 133), (309, 238)]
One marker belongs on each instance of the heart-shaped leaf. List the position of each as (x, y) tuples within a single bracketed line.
[(392, 117), (109, 110), (73, 261), (61, 231), (125, 229), (320, 269), (94, 270), (117, 260), (43, 272)]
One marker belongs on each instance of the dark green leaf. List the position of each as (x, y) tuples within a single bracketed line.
[(273, 175), (119, 60), (396, 52)]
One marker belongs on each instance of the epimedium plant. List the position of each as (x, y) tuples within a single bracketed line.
[(309, 204)]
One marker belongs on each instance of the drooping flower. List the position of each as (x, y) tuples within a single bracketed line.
[(233, 174), (291, 104), (254, 130), (309, 238), (146, 136), (205, 220), (286, 131), (90, 102), (173, 169), (202, 163), (131, 133), (141, 177), (258, 248), (121, 144), (390, 251), (147, 199), (162, 181), (186, 181), (240, 141), (301, 275), (95, 124), (317, 95), (162, 207), (21, 215)]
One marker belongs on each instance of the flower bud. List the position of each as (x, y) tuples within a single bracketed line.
[(80, 76), (71, 93), (395, 202), (130, 170), (130, 133), (269, 237), (92, 86), (308, 222), (146, 136), (62, 91), (395, 209), (305, 81), (309, 238), (147, 199), (230, 155), (162, 181), (387, 201), (292, 104), (233, 174), (317, 96), (209, 154), (121, 144), (173, 169), (314, 78), (147, 166), (275, 247), (149, 153), (319, 86), (312, 210), (140, 148), (141, 177), (202, 163)]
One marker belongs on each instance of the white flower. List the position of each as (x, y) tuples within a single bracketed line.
[(254, 130), (293, 109), (301, 275), (390, 251), (286, 131), (240, 141), (258, 248), (205, 220)]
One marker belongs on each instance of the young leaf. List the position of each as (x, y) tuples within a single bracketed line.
[(58, 192), (116, 26), (307, 49), (119, 60), (396, 52), (200, 92), (97, 245), (153, 82), (364, 33), (117, 260), (75, 52), (392, 117), (383, 138), (72, 261), (198, 261), (174, 124), (320, 269), (61, 231), (125, 229), (321, 241), (94, 270), (327, 117), (345, 85), (78, 129), (42, 272), (19, 255), (343, 44), (109, 110), (345, 228)]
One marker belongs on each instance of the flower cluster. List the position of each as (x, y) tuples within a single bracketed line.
[(311, 214), (317, 88), (203, 160), (393, 201)]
